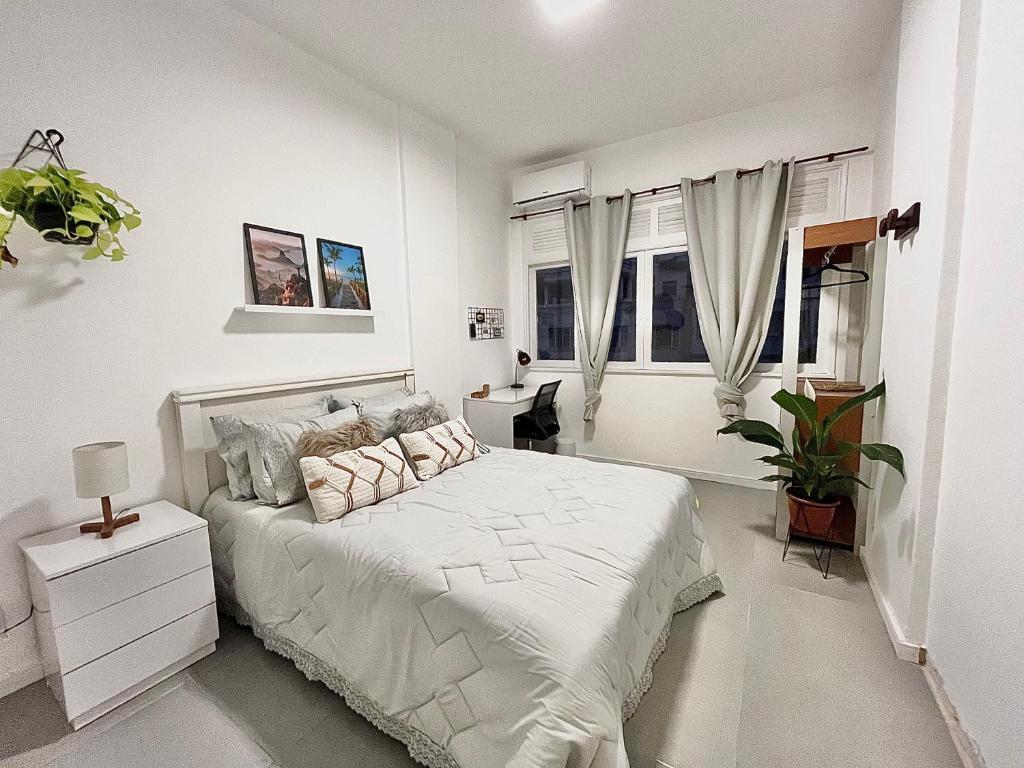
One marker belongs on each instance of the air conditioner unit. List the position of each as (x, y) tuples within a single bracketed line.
[(552, 185)]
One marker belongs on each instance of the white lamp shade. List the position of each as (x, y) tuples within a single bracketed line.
[(101, 469)]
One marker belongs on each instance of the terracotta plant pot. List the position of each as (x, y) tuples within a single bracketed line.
[(810, 518)]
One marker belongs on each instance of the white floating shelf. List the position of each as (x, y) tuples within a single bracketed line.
[(276, 310)]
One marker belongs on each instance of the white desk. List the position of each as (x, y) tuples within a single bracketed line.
[(490, 418)]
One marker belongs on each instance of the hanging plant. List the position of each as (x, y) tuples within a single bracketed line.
[(65, 207)]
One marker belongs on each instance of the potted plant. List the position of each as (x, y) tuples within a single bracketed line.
[(63, 206), (816, 479)]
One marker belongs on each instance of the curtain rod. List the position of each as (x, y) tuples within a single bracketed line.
[(829, 157)]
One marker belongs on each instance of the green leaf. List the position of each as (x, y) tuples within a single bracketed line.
[(81, 213), (781, 460), (800, 406), (882, 452), (38, 182), (755, 432), (132, 221), (852, 404), (117, 254), (776, 479), (115, 226), (91, 253), (83, 230)]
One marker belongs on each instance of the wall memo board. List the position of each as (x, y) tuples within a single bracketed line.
[(486, 323)]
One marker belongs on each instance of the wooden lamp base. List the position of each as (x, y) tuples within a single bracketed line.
[(109, 525)]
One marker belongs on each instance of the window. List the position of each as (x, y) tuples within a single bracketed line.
[(623, 345), (675, 332), (556, 321), (655, 326)]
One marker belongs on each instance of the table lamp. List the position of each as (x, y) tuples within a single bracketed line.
[(101, 469), (521, 359)]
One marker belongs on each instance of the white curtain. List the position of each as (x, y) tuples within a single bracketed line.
[(596, 235), (735, 229)]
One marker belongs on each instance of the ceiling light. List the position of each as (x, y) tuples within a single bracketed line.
[(560, 11)]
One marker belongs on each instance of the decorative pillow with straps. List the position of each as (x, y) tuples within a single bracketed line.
[(436, 449), (354, 479)]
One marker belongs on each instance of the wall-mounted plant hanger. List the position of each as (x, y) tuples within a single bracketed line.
[(60, 203), (901, 225)]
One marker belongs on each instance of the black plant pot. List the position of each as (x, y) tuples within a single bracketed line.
[(48, 216)]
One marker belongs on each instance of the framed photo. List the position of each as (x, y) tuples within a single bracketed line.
[(277, 264), (343, 275)]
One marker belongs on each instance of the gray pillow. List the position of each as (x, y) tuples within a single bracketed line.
[(416, 418), (339, 403), (271, 446), (392, 396), (383, 414), (231, 440)]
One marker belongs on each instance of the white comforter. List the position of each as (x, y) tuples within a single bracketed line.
[(506, 613)]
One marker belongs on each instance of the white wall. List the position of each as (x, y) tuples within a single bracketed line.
[(431, 239), (976, 618), (205, 120), (927, 130), (670, 420), (484, 196)]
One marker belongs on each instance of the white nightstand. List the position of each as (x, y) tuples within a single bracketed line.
[(116, 616)]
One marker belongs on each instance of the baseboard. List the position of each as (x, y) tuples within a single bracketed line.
[(696, 474), (904, 649), (969, 753), (19, 678)]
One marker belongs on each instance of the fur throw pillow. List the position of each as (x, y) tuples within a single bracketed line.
[(348, 437), (416, 418)]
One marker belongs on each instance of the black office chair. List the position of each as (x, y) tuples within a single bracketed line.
[(540, 422)]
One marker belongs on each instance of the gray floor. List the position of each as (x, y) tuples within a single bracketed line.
[(785, 669)]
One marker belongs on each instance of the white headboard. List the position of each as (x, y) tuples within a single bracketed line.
[(201, 466)]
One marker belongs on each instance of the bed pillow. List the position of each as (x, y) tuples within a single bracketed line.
[(416, 418), (434, 450), (347, 437), (385, 398), (231, 440), (339, 403), (383, 413), (271, 446), (354, 479)]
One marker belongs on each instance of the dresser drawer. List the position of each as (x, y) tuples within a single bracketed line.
[(110, 675), (92, 636), (91, 589)]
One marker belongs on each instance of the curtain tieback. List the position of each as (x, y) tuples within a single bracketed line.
[(590, 403), (731, 400)]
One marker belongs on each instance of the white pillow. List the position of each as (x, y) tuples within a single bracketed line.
[(271, 448), (354, 479), (434, 450), (231, 440)]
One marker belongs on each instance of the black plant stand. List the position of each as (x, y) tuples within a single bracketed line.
[(826, 544)]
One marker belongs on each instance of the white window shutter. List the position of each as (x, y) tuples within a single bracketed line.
[(545, 239), (670, 219), (817, 195)]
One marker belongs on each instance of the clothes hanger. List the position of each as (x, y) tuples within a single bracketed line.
[(860, 276)]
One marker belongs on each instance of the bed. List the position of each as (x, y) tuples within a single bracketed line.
[(507, 612)]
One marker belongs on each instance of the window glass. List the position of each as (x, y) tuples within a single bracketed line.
[(623, 345), (556, 321), (809, 304), (675, 332)]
